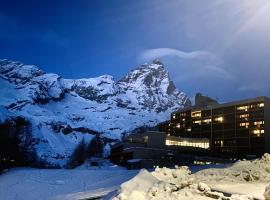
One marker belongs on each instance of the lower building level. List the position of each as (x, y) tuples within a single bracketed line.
[(151, 149)]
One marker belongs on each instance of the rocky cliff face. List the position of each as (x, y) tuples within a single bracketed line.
[(63, 112)]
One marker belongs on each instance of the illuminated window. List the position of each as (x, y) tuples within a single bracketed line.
[(219, 143), (244, 124), (197, 144), (258, 132), (189, 129), (258, 123), (196, 114), (261, 105), (178, 126), (219, 119), (243, 116), (241, 108), (197, 122), (207, 121), (145, 139)]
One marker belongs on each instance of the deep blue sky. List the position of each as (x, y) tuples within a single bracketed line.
[(219, 47)]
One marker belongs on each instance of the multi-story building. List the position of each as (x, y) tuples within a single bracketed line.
[(235, 129), (205, 132)]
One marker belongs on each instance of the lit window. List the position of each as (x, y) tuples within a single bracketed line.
[(244, 124), (207, 121), (197, 122), (178, 126), (245, 108), (197, 144), (261, 105), (258, 132), (189, 129), (243, 116), (221, 143), (258, 123), (196, 114), (219, 119)]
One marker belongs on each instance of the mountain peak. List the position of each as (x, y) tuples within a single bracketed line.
[(157, 61), (71, 110), (151, 76), (156, 64)]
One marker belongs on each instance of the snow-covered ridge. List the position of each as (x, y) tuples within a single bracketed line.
[(64, 111)]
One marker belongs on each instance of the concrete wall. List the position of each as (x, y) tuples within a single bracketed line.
[(156, 139)]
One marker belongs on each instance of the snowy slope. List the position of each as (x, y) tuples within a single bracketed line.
[(62, 111)]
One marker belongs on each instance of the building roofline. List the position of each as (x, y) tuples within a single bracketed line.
[(249, 100)]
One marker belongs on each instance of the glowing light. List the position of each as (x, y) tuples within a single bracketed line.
[(219, 119), (196, 114), (184, 143)]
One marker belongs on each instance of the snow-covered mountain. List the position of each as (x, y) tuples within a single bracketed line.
[(61, 112)]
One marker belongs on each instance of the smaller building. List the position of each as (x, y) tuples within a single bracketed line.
[(157, 148)]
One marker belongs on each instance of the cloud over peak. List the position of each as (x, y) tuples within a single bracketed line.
[(151, 54), (192, 71)]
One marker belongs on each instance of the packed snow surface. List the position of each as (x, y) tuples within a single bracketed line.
[(247, 179), (161, 184), (60, 184)]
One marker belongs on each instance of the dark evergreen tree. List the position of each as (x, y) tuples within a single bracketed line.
[(95, 147), (78, 155)]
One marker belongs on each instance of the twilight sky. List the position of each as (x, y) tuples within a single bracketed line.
[(218, 47)]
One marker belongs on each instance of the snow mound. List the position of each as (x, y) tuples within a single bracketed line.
[(267, 192), (242, 171), (179, 183), (179, 175), (172, 184)]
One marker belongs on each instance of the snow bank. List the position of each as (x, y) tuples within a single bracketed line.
[(179, 183), (267, 192), (172, 184), (137, 188), (242, 171)]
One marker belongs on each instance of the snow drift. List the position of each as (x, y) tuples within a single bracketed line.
[(179, 183)]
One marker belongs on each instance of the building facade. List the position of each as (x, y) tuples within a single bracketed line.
[(152, 148), (141, 150), (211, 132), (235, 129)]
